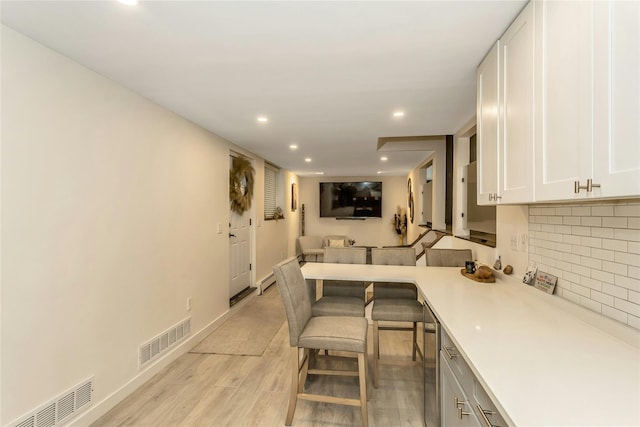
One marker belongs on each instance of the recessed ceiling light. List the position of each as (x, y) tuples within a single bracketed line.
[(319, 173), (128, 2), (308, 160), (379, 172), (293, 146), (263, 119), (398, 114), (384, 158)]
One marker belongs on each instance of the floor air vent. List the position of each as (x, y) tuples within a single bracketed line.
[(61, 409), (161, 343)]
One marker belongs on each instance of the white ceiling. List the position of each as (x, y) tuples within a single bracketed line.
[(328, 75)]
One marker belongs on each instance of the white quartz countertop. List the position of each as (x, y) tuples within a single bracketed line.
[(544, 361)]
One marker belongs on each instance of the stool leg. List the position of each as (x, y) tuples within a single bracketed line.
[(293, 395), (362, 373), (304, 369), (376, 352)]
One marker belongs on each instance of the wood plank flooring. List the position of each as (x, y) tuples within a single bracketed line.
[(247, 391)]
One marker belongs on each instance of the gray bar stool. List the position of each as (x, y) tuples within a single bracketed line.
[(394, 302), (340, 298), (306, 332)]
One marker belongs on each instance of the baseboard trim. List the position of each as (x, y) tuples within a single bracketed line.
[(100, 408)]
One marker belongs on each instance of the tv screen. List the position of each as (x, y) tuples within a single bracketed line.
[(351, 199)]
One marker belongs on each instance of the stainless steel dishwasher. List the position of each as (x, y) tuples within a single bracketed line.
[(431, 350)]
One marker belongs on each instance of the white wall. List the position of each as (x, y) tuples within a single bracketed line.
[(368, 232), (413, 230), (109, 213), (276, 238)]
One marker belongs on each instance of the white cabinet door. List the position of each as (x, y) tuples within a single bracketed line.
[(564, 103), (515, 178), (487, 127), (617, 99)]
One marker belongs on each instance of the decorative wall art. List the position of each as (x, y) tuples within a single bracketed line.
[(400, 225), (241, 184), (294, 197), (410, 202)]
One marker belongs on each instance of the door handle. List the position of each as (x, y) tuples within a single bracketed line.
[(232, 235)]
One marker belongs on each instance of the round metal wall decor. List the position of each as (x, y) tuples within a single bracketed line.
[(410, 200), (241, 184), (411, 207)]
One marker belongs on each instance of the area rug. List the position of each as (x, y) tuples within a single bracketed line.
[(249, 331)]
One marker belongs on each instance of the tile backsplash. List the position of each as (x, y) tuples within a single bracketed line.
[(594, 249)]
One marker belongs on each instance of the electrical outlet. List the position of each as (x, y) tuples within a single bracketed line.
[(514, 242), (219, 228), (523, 241), (189, 304)]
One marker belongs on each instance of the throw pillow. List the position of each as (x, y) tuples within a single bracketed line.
[(336, 243)]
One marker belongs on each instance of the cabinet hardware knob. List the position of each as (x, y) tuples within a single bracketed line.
[(484, 413), (591, 185), (461, 413), (496, 197), (448, 352), (491, 197)]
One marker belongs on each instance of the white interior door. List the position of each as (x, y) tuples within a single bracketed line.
[(239, 252)]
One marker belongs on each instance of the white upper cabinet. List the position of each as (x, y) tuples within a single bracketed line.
[(516, 103), (585, 141), (564, 103), (617, 99), (505, 107), (587, 100), (487, 127)]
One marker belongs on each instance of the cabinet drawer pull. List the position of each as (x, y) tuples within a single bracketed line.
[(461, 413), (459, 404), (591, 185), (577, 187), (448, 352), (484, 413)]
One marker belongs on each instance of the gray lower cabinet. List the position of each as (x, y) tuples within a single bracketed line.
[(456, 407), (464, 402)]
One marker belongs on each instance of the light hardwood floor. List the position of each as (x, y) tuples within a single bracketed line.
[(223, 390)]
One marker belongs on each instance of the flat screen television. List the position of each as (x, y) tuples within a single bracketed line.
[(351, 199)]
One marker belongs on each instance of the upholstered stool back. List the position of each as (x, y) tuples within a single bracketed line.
[(295, 297), (345, 288), (393, 256), (345, 255), (447, 257)]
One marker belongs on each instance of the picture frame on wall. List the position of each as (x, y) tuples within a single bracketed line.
[(294, 197)]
